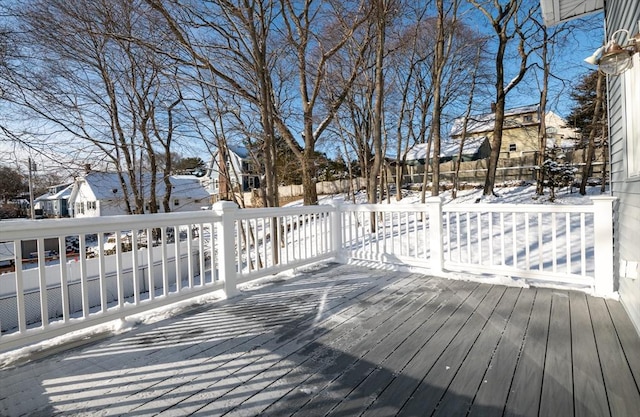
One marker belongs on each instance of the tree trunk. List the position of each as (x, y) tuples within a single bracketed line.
[(378, 156), (586, 170)]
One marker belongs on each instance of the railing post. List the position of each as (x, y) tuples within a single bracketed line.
[(226, 245), (434, 208), (603, 244), (336, 231)]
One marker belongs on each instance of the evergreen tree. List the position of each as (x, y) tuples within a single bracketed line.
[(584, 97)]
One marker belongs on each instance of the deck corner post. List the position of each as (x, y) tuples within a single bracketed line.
[(434, 209), (603, 207), (336, 231), (226, 245)]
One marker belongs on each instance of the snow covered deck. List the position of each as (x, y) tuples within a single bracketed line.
[(343, 340)]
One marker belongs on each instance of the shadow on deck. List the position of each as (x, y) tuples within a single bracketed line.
[(346, 341)]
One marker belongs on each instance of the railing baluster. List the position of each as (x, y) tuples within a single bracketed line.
[(42, 282), (190, 267), (150, 267), (64, 278), (119, 278), (527, 247), (134, 265), (540, 246), (502, 243), (468, 228), (583, 245), (165, 266), (103, 278), (514, 238), (554, 242), (568, 240), (176, 251), (84, 288), (22, 321)]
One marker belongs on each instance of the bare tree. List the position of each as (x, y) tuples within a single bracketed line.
[(316, 33), (509, 20), (84, 75)]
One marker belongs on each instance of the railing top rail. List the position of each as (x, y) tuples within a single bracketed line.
[(282, 211), (398, 208), (521, 208), (31, 229)]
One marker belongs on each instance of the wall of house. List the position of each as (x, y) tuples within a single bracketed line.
[(623, 107)]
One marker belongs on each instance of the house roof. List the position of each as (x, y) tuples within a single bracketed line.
[(478, 123), (106, 185), (448, 148), (64, 193), (241, 151), (557, 11)]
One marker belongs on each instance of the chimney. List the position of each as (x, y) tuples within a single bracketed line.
[(493, 107)]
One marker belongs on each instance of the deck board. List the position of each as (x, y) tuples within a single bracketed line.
[(493, 393), (588, 383), (346, 341), (470, 376), (557, 383), (524, 392), (622, 391)]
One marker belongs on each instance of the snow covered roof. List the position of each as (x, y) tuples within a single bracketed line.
[(64, 193), (241, 151), (106, 185), (448, 148), (485, 122)]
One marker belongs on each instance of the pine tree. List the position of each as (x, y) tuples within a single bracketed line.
[(584, 96)]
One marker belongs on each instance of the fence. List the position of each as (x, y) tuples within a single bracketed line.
[(148, 261)]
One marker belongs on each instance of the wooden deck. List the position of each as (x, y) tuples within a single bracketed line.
[(349, 341)]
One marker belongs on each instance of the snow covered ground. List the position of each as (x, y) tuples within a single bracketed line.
[(512, 194)]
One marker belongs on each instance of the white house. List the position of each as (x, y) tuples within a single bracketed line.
[(100, 194), (56, 202), (239, 166), (622, 25)]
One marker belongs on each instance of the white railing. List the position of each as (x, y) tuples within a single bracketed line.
[(546, 244), (124, 265)]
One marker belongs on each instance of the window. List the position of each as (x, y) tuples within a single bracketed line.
[(80, 208), (512, 147), (176, 202), (528, 118), (632, 103), (91, 205)]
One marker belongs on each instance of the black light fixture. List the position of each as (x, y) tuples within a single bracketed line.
[(613, 59)]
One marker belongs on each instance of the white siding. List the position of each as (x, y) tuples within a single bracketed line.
[(624, 185)]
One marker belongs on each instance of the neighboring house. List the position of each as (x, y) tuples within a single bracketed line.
[(55, 202), (100, 194), (474, 148), (240, 168), (624, 137), (520, 131)]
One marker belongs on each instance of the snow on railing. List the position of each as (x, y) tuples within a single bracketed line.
[(71, 274)]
